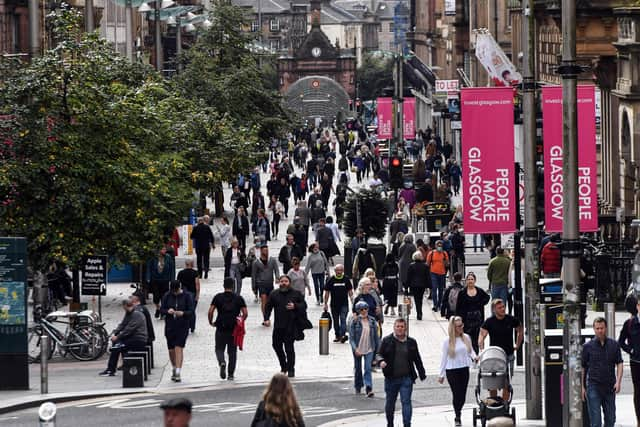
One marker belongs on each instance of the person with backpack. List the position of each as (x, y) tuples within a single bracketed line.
[(450, 297), (230, 306), (438, 262)]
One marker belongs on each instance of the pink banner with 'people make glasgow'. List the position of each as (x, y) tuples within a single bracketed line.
[(553, 159), (409, 118), (488, 170), (385, 118)]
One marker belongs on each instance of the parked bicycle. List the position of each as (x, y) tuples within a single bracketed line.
[(84, 335)]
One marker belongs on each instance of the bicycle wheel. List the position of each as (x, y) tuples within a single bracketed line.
[(104, 336), (35, 339), (85, 343)]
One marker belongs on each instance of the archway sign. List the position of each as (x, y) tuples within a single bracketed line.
[(317, 97)]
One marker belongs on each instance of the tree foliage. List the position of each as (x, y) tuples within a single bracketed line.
[(374, 74), (373, 214)]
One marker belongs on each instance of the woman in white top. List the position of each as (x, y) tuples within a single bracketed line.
[(457, 355), (224, 230), (298, 277)]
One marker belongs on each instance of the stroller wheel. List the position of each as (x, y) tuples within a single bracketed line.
[(475, 417)]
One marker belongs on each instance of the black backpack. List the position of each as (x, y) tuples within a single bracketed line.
[(227, 314)]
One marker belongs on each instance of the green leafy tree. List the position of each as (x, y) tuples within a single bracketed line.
[(84, 164), (374, 74)]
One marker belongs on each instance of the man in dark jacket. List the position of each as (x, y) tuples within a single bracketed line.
[(177, 307), (290, 310), (130, 335), (288, 251), (203, 242), (240, 227), (399, 358), (151, 335)]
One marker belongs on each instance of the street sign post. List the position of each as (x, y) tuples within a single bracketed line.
[(94, 278)]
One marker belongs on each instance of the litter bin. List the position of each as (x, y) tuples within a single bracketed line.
[(553, 380)]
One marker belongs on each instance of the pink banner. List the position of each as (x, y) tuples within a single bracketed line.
[(488, 170), (409, 118), (553, 159), (385, 118)]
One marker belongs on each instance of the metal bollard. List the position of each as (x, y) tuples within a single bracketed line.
[(404, 310), (610, 316), (324, 336), (44, 364), (47, 414)]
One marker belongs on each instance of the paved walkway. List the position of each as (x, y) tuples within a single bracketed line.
[(69, 379)]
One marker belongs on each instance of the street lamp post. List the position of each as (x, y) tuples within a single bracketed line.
[(128, 37), (158, 35)]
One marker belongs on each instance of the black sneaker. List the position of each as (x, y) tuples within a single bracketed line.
[(344, 339), (458, 422), (223, 370), (157, 315), (337, 339), (231, 377), (369, 392), (291, 373), (107, 373)]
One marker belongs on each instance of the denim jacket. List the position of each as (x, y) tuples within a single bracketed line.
[(355, 332)]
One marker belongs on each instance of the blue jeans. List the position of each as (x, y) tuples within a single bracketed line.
[(318, 284), (500, 291), (393, 386), (339, 315), (596, 399), (437, 289), (357, 367)]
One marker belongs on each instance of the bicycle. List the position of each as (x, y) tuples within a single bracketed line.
[(85, 338)]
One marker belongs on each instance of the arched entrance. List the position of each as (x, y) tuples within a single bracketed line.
[(317, 97)]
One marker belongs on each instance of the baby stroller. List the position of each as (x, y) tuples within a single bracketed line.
[(493, 374)]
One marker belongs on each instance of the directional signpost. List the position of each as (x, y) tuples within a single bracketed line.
[(94, 278)]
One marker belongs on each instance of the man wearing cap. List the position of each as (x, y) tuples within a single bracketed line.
[(177, 412), (177, 307), (230, 306), (264, 272), (131, 334)]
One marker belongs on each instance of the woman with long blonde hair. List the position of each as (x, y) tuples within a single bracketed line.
[(279, 404), (457, 355)]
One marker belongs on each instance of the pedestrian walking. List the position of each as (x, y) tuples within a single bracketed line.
[(318, 266), (438, 262), (399, 358), (290, 320), (390, 272), (224, 231), (130, 335), (264, 272), (405, 254), (160, 271), (177, 308), (418, 280), (203, 242), (230, 306), (364, 340), (298, 277), (261, 227), (498, 275), (338, 291), (240, 227), (189, 280), (629, 341), (457, 356), (235, 264), (290, 250), (279, 406), (450, 298), (500, 327), (601, 375), (470, 306), (364, 260), (275, 210)]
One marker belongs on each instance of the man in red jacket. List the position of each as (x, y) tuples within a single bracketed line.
[(551, 259)]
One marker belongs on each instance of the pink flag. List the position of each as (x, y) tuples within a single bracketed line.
[(409, 118), (553, 159), (385, 118), (488, 158)]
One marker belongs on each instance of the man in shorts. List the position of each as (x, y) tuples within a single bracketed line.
[(264, 272), (500, 329), (177, 307)]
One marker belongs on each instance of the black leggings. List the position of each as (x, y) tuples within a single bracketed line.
[(275, 225), (458, 380), (635, 378), (418, 296)]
